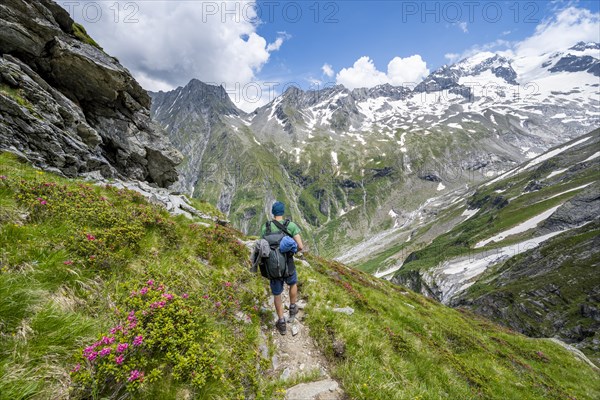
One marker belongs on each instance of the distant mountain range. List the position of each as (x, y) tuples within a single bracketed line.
[(349, 158)]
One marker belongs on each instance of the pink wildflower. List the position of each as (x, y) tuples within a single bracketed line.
[(68, 262), (168, 296), (121, 347), (185, 295), (136, 375), (131, 316), (116, 329), (89, 236), (2, 177), (119, 359), (227, 284), (150, 282), (76, 368), (92, 356), (218, 304), (105, 351), (90, 349), (205, 296), (143, 290), (158, 304), (132, 325), (92, 257), (107, 340), (138, 340), (133, 293)]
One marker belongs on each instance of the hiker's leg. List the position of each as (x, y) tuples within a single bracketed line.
[(277, 289), (293, 293), (278, 305), (292, 282)]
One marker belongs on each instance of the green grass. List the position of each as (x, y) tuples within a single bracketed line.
[(17, 96), (399, 345), (63, 291), (81, 34)]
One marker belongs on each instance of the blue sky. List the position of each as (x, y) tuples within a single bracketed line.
[(246, 44), (383, 30)]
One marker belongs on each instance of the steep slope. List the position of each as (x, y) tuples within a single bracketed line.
[(552, 290), (138, 304), (67, 105), (361, 161), (521, 249)]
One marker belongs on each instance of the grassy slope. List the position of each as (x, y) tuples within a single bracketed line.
[(400, 345), (76, 258), (494, 216), (543, 298)]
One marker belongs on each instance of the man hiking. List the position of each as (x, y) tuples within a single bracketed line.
[(279, 234)]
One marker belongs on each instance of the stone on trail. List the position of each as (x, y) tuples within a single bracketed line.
[(326, 389), (344, 310)]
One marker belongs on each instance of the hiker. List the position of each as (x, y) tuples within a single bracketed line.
[(277, 260)]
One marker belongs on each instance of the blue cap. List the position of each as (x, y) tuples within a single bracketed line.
[(278, 208)]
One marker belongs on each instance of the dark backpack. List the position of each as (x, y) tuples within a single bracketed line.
[(276, 266)]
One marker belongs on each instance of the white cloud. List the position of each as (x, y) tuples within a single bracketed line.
[(175, 41), (463, 26), (567, 27), (327, 70), (400, 71), (281, 37), (404, 70), (362, 74), (452, 57)]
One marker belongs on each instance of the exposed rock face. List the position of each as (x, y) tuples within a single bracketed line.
[(583, 208), (68, 106), (551, 291)]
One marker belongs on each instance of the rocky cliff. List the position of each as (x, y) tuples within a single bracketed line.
[(68, 106)]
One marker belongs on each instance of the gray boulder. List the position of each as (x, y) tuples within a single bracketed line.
[(68, 106)]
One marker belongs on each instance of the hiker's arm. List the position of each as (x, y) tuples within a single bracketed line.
[(298, 240)]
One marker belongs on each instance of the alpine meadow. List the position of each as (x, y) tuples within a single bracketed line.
[(237, 200)]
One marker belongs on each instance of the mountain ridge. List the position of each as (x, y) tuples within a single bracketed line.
[(68, 105)]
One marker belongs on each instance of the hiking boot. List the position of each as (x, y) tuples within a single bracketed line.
[(293, 312), (280, 325)]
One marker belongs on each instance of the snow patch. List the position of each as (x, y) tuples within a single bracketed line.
[(469, 213), (522, 227), (592, 157), (557, 172)]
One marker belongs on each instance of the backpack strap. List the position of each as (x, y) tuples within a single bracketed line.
[(268, 227), (283, 228)]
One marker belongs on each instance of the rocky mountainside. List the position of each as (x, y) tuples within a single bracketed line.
[(68, 106), (360, 161), (522, 249)]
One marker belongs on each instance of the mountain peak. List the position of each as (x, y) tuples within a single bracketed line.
[(196, 94), (581, 46)]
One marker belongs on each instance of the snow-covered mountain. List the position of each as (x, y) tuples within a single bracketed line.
[(556, 92), (348, 157)]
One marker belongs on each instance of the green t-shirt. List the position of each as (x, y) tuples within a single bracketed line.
[(292, 228)]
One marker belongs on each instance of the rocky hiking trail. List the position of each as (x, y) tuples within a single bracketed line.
[(296, 357)]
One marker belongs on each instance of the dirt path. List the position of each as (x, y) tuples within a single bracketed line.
[(297, 356)]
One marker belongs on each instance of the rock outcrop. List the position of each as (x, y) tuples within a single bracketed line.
[(68, 106)]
